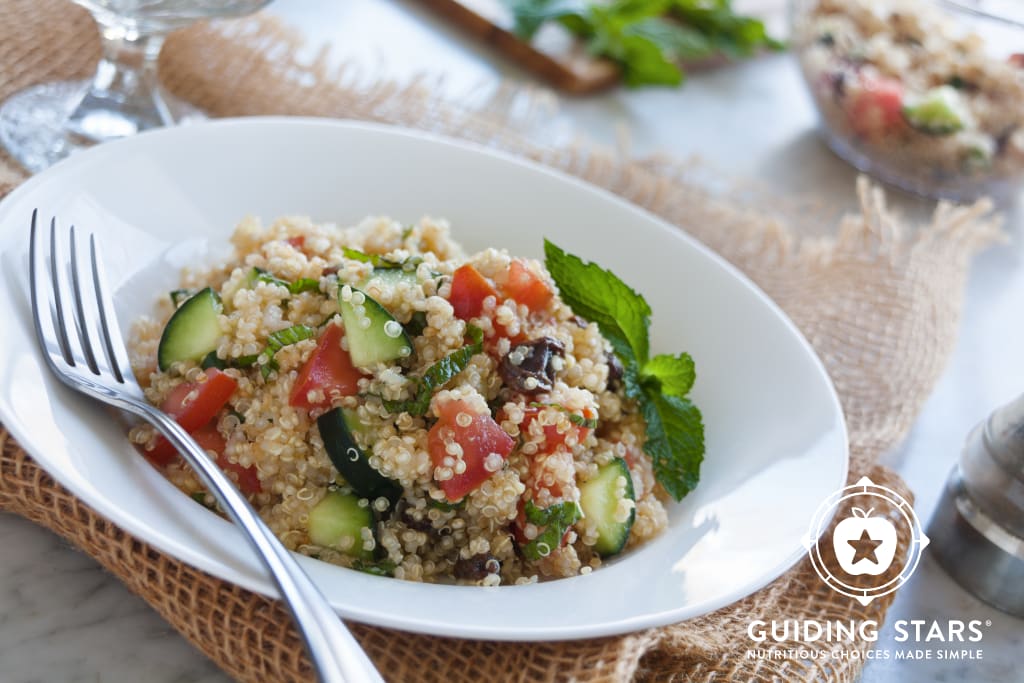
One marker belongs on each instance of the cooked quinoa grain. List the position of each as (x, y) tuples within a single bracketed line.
[(476, 402)]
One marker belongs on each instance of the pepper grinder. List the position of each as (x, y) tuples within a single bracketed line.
[(977, 533)]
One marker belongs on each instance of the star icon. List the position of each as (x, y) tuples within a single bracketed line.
[(865, 548)]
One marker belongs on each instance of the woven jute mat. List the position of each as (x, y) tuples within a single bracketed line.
[(879, 300)]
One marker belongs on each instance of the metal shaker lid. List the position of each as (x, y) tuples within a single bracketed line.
[(977, 532)]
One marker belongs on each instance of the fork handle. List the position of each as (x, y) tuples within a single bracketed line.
[(337, 656)]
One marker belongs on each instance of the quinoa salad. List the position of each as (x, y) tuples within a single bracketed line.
[(909, 88), (391, 404)]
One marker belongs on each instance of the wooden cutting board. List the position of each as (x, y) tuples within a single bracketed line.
[(552, 54)]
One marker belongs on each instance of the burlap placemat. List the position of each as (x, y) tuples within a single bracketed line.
[(880, 301)]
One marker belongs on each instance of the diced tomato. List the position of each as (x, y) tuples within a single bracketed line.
[(298, 242), (329, 370), (210, 438), (552, 437), (526, 287), (480, 438), (1016, 59), (193, 405), (192, 412), (469, 289), (877, 107)]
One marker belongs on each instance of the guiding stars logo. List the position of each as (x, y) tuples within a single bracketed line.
[(856, 559)]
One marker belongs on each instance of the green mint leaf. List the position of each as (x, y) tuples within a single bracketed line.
[(734, 35), (674, 374), (304, 284), (647, 63), (648, 38), (278, 340), (260, 275), (555, 520), (529, 15), (381, 263), (289, 335), (439, 374), (599, 296), (675, 441)]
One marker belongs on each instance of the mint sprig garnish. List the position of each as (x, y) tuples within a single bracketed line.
[(599, 296), (675, 374), (675, 430)]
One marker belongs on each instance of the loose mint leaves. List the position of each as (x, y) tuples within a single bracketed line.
[(648, 38), (675, 430)]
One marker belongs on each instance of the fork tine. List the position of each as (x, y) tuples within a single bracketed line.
[(84, 298), (43, 307), (111, 331), (66, 321)]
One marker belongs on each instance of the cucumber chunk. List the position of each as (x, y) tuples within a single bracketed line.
[(600, 497), (940, 111), (193, 331), (339, 517), (374, 336), (337, 428), (389, 277)]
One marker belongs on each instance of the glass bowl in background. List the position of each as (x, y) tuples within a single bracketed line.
[(47, 122), (925, 94)]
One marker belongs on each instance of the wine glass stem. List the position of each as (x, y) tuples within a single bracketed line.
[(124, 96)]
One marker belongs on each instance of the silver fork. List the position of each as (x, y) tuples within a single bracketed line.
[(81, 341)]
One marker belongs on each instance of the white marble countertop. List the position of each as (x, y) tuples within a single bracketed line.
[(63, 619)]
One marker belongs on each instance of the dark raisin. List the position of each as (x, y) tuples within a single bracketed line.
[(615, 371), (536, 364), (579, 322), (415, 520), (477, 567)]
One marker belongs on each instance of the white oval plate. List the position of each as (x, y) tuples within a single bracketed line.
[(776, 440)]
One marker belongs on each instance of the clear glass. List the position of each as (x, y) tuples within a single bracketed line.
[(927, 95), (45, 123)]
